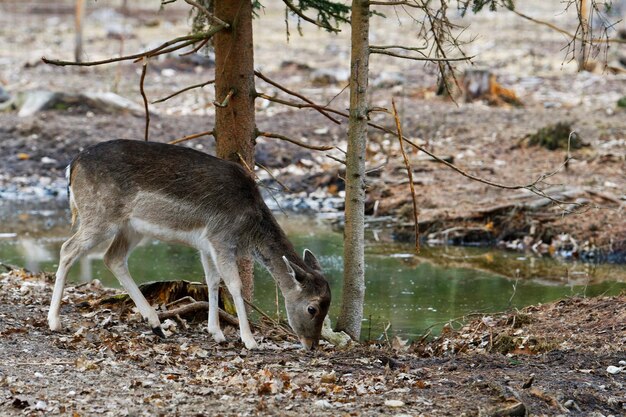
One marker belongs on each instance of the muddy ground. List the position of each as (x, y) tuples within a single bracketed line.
[(563, 358), (486, 141)]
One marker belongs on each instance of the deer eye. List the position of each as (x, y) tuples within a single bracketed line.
[(312, 310)]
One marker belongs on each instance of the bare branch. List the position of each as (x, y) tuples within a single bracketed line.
[(409, 171), (191, 87), (395, 3), (208, 14), (406, 48), (144, 69), (169, 46), (565, 32), (341, 161), (295, 142), (302, 16), (189, 137), (373, 50), (293, 93)]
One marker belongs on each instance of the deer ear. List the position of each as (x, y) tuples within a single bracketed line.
[(311, 260), (294, 270)]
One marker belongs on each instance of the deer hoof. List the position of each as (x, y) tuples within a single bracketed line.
[(158, 331), (55, 324)]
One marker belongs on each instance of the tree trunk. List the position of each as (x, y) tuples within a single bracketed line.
[(354, 263), (235, 125)]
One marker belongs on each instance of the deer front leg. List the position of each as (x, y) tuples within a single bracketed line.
[(212, 277), (226, 263)]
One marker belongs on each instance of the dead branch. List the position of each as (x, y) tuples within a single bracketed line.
[(409, 171), (406, 48), (341, 161), (532, 187), (166, 47), (302, 16), (189, 137), (195, 307), (226, 100), (373, 50), (295, 142), (301, 105), (191, 87), (144, 69), (208, 14), (395, 3), (293, 93), (571, 35)]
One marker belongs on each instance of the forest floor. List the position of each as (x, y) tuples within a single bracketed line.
[(562, 358), (486, 140)]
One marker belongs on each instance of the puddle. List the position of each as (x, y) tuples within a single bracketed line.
[(407, 291)]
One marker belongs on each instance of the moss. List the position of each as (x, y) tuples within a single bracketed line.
[(557, 136), (518, 320), (622, 102)]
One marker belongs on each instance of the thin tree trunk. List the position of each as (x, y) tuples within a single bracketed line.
[(79, 16), (354, 263), (583, 19), (235, 125)]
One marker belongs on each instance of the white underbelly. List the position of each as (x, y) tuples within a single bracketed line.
[(194, 238)]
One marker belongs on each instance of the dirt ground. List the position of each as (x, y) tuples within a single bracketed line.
[(563, 358)]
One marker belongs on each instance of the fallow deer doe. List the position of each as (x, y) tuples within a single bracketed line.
[(126, 189)]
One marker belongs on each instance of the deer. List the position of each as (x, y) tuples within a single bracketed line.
[(126, 190)]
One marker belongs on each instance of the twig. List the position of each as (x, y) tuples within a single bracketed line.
[(196, 48), (226, 100), (409, 171), (297, 12), (195, 135), (264, 168), (208, 14), (293, 93), (191, 87), (271, 320), (295, 142), (144, 68), (341, 161)]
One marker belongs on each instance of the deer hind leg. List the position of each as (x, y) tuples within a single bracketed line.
[(226, 263), (79, 244), (116, 259), (212, 277)]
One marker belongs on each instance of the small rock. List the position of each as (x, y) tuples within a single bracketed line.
[(394, 403), (323, 404), (613, 370), (48, 161)]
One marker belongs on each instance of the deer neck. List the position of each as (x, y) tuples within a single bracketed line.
[(271, 246)]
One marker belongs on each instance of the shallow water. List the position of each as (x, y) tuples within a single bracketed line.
[(411, 293)]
